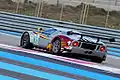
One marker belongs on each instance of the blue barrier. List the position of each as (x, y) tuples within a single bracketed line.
[(114, 49), (60, 22)]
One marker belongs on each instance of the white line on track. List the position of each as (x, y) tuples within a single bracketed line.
[(70, 60)]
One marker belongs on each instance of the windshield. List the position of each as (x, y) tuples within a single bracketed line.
[(50, 31)]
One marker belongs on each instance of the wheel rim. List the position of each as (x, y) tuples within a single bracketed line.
[(25, 40), (56, 46)]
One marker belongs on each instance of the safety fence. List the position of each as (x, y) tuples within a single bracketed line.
[(91, 12)]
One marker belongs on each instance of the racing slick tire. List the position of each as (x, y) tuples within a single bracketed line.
[(25, 41), (97, 60), (56, 46)]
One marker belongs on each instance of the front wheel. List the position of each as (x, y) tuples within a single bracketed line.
[(25, 41), (56, 46)]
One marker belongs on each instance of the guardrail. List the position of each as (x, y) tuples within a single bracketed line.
[(20, 23)]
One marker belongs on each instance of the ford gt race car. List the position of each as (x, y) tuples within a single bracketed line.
[(59, 41)]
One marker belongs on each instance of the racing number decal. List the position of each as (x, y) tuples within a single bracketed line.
[(36, 39)]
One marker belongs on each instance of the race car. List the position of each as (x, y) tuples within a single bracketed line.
[(60, 41)]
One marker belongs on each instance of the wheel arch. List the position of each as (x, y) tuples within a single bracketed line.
[(57, 37), (63, 38)]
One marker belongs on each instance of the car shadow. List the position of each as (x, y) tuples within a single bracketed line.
[(68, 55)]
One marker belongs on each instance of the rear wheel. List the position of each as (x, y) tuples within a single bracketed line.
[(56, 46), (97, 60), (25, 41)]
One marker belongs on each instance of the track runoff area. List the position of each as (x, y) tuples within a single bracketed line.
[(18, 63)]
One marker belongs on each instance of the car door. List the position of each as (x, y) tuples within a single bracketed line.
[(35, 39), (43, 40)]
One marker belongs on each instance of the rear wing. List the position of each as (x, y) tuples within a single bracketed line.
[(98, 38)]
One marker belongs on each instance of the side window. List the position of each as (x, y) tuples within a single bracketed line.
[(55, 33), (63, 32)]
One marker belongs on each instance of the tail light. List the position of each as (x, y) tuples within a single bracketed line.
[(75, 44), (102, 48)]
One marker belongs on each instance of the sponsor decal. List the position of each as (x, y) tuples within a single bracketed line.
[(49, 47)]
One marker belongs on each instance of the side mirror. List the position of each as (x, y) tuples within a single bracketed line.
[(69, 33)]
